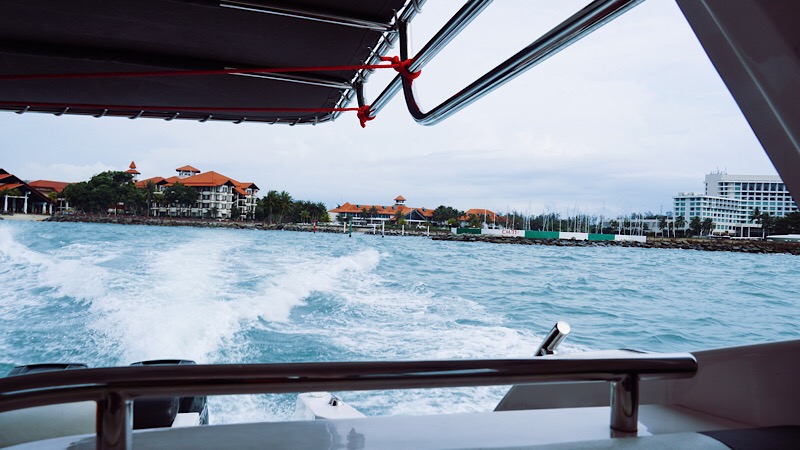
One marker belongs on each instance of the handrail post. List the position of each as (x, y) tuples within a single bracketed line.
[(625, 404), (114, 423)]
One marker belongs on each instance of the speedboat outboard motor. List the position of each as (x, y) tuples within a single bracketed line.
[(168, 411), (48, 367)]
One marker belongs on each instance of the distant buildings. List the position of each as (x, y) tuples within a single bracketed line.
[(487, 217), (217, 197), (18, 196), (365, 215), (730, 200)]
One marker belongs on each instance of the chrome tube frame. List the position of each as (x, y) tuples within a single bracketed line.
[(267, 7), (451, 29), (579, 25), (115, 388)]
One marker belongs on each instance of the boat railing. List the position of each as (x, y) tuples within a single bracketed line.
[(114, 389)]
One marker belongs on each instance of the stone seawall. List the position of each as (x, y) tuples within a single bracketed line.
[(204, 223), (716, 245), (726, 245)]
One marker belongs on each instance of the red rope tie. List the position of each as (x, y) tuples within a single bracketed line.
[(363, 115), (402, 67)]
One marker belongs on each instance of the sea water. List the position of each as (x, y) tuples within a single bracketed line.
[(110, 295)]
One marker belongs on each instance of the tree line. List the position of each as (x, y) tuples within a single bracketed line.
[(117, 190), (280, 207)]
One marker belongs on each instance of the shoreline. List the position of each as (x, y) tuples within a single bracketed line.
[(206, 223), (729, 245), (711, 245)]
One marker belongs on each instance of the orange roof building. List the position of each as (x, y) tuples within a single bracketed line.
[(47, 186), (17, 196), (367, 215), (217, 193), (489, 215), (132, 170)]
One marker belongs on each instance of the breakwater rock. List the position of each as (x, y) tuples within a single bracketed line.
[(245, 225), (724, 245)]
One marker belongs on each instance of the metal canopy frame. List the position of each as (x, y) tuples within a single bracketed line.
[(95, 53), (579, 25)]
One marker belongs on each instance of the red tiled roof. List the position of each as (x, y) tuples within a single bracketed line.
[(133, 165), (187, 168), (491, 216), (133, 171), (57, 186), (10, 186), (156, 180), (206, 179), (390, 210), (399, 198)]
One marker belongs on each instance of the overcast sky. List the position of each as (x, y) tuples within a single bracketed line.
[(621, 121)]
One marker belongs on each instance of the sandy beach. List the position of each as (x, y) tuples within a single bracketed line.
[(28, 217)]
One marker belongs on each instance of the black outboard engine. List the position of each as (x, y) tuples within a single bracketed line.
[(49, 367), (161, 412)]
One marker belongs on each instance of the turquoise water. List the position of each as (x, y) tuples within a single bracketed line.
[(110, 295)]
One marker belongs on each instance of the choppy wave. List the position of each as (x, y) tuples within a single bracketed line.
[(111, 295)]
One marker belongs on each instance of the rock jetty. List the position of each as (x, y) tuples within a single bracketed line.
[(713, 245), (207, 223)]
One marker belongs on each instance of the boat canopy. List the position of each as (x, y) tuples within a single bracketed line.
[(297, 62), (54, 38)]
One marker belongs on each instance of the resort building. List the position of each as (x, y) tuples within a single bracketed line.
[(21, 198), (488, 218), (218, 195), (367, 215), (730, 201)]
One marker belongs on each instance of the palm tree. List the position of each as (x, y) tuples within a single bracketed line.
[(680, 222), (707, 225), (271, 203), (150, 192), (662, 223), (373, 211), (767, 222), (755, 216), (284, 204)]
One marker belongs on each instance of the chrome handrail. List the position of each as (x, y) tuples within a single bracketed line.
[(115, 388), (580, 24)]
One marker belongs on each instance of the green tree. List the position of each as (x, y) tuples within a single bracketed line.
[(474, 221), (213, 212), (789, 224), (103, 191), (284, 204), (180, 195), (707, 226), (150, 194), (695, 225), (398, 216), (662, 223), (767, 224), (236, 213), (444, 213), (680, 223)]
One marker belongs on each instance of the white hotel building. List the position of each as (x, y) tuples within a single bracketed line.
[(729, 201)]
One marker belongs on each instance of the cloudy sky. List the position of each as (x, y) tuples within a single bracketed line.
[(619, 122)]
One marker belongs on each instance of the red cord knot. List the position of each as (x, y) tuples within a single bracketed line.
[(363, 115), (402, 66)]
